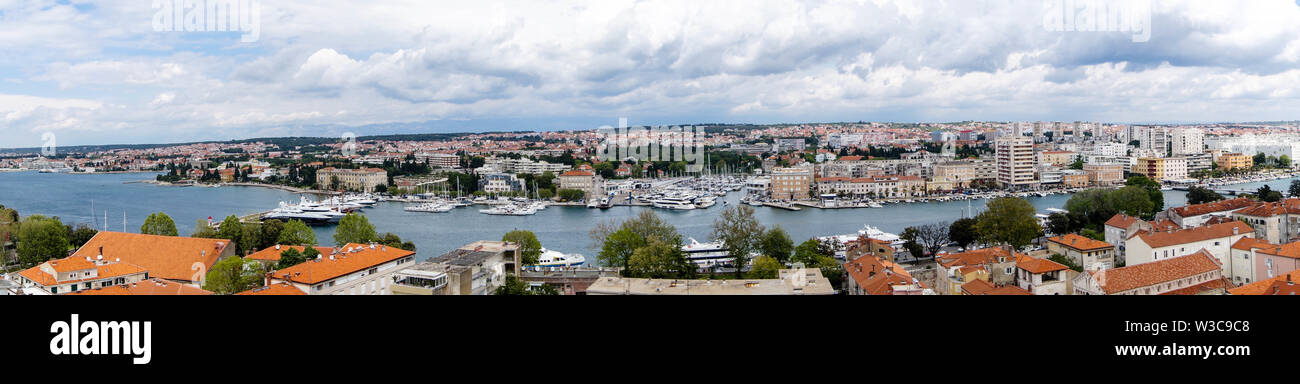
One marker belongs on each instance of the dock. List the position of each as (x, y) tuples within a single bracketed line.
[(785, 207)]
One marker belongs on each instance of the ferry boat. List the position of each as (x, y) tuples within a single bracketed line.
[(551, 259)]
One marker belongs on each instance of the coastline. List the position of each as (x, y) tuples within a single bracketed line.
[(218, 185)]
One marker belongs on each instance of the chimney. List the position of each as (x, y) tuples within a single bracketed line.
[(1236, 230)]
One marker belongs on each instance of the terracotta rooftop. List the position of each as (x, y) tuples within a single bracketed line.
[(577, 173), (273, 253), (1284, 284), (981, 256), (1147, 274), (152, 286), (1184, 236), (877, 277), (168, 257), (276, 289), (350, 258), (1037, 266), (1081, 243), (1212, 207), (1248, 243), (982, 287)]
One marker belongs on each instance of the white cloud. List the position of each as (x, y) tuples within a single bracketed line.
[(673, 61)]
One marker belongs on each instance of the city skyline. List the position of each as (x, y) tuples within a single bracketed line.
[(96, 73)]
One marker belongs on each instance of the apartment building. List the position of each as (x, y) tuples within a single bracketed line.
[(586, 181), (995, 264), (1198, 214), (1084, 251), (362, 180), (1217, 239), (1015, 162), (1162, 168), (500, 183), (477, 268), (1229, 161), (1042, 276), (80, 273), (1057, 158), (146, 287), (439, 160), (791, 183), (354, 269), (1186, 141)]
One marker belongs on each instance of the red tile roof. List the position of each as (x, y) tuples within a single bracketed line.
[(983, 256), (146, 287), (276, 289), (1081, 243), (105, 270), (273, 253), (1248, 243), (1039, 266), (350, 258), (982, 287), (1212, 207), (1284, 284), (577, 173), (1160, 271), (168, 257), (877, 277), (1184, 236)]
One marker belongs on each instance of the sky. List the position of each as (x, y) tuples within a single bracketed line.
[(108, 72)]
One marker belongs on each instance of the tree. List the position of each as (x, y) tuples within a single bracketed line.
[(231, 229), (1152, 188), (1266, 193), (512, 287), (658, 259), (1008, 220), (911, 242), (776, 244), (739, 233), (41, 238), (1284, 161), (159, 223), (571, 194), (295, 232), (815, 254), (203, 231), (290, 257), (1202, 195), (933, 237), (962, 232), (765, 267), (233, 275), (392, 240), (354, 228), (268, 233), (1066, 261), (80, 235), (1295, 189), (1091, 234), (515, 287), (529, 247), (618, 248), (1077, 164)]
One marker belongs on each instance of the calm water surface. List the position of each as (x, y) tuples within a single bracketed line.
[(565, 229)]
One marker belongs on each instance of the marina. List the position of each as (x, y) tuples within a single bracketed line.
[(560, 227)]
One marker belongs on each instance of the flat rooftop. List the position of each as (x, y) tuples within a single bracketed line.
[(790, 282)]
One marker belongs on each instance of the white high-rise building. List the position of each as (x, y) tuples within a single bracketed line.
[(1016, 160), (1186, 141)]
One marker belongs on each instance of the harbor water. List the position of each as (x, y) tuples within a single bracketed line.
[(562, 228)]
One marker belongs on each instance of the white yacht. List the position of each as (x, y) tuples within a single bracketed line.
[(676, 203), (430, 207), (551, 258), (707, 254), (705, 202)]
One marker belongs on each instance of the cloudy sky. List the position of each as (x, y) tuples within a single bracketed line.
[(98, 72)]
